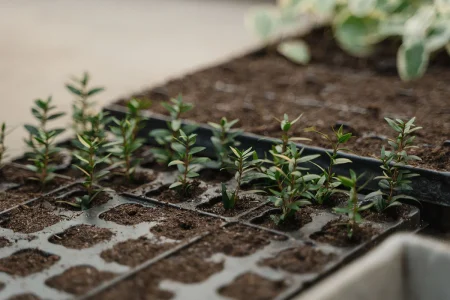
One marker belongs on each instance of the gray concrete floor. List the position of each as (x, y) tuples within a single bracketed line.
[(125, 45)]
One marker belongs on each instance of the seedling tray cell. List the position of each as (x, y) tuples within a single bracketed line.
[(235, 249)]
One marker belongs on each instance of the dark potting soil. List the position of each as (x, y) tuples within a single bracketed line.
[(392, 214), (135, 252), (236, 240), (24, 297), (299, 260), (214, 175), (300, 219), (11, 199), (129, 214), (79, 280), (26, 262), (336, 233), (187, 266), (172, 223), (100, 199), (215, 206), (252, 286), (9, 173), (32, 218), (165, 194), (178, 224), (33, 188), (4, 242), (191, 264), (120, 183), (335, 88), (81, 236)]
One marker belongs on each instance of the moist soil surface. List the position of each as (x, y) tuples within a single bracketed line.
[(26, 262), (81, 236), (335, 88), (164, 194), (79, 280), (300, 260), (120, 183), (129, 214), (178, 224), (28, 219), (100, 199), (214, 175), (134, 252), (215, 206), (252, 286), (336, 233), (300, 219), (171, 222), (190, 265)]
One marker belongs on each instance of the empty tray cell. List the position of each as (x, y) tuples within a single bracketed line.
[(79, 280), (252, 286), (27, 261), (81, 236), (135, 251)]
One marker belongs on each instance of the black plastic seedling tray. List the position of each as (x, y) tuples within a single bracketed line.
[(432, 186), (146, 196)]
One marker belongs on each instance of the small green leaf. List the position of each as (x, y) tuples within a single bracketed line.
[(175, 185), (412, 60), (340, 161), (176, 162), (296, 51)]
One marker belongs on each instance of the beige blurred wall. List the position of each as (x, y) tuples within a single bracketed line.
[(125, 45)]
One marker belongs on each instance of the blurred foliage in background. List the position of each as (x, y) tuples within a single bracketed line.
[(358, 25)]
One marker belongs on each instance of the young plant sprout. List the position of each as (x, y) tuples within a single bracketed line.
[(125, 145), (83, 102), (185, 150), (327, 183), (353, 208), (89, 155), (276, 173), (295, 189), (135, 108), (165, 137), (286, 126), (224, 137), (396, 180), (243, 162), (41, 142)]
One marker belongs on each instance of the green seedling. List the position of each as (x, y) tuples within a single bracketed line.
[(135, 108), (89, 154), (83, 103), (353, 209), (165, 137), (276, 173), (125, 146), (224, 137), (396, 180), (184, 147), (41, 141), (244, 164), (328, 182), (296, 187)]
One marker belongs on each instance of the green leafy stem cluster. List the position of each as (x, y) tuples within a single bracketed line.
[(283, 173), (422, 27)]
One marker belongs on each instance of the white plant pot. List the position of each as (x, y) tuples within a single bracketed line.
[(404, 267)]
